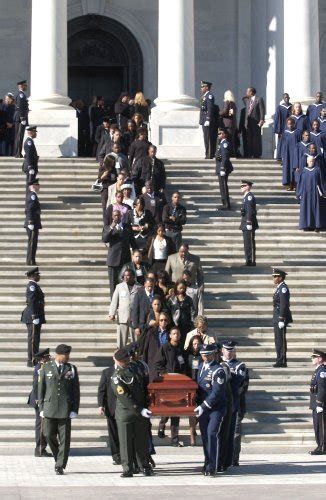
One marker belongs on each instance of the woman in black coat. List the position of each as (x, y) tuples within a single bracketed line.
[(122, 109), (170, 359), (107, 175), (154, 338), (193, 360), (137, 151), (142, 223)]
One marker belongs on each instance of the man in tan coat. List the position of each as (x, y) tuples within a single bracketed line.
[(120, 307), (178, 262)]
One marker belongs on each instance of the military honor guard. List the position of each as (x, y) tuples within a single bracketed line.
[(33, 315), (40, 358), (131, 414), (30, 165), (20, 117), (224, 167), (32, 220), (207, 119), (211, 407), (318, 400), (58, 399), (281, 316), (239, 384), (249, 223)]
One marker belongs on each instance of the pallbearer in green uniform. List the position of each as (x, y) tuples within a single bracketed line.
[(58, 397), (131, 414)]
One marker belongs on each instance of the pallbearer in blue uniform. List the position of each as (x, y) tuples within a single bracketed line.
[(211, 406), (289, 143), (239, 383), (30, 165), (310, 190), (249, 223), (313, 109), (207, 119), (281, 316), (318, 401), (20, 116), (282, 112), (224, 167)]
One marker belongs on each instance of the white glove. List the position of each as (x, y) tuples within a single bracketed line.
[(23, 122), (42, 414), (199, 411), (222, 173), (281, 325), (146, 413), (73, 414), (249, 227), (319, 409), (206, 124), (36, 321), (30, 226)]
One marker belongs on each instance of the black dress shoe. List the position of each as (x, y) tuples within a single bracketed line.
[(278, 365), (59, 471), (152, 463), (147, 471), (222, 207), (45, 453), (126, 474), (116, 461), (316, 452), (161, 433), (235, 464), (136, 469)]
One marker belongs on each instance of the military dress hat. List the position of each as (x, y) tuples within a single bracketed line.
[(229, 345), (203, 83), (244, 182), (63, 349), (33, 182), (34, 270), (42, 354), (317, 352), (22, 82), (31, 127), (132, 348), (279, 272), (122, 354), (10, 94), (207, 349)]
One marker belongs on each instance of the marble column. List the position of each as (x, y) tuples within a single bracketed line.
[(49, 102), (174, 121), (301, 49)]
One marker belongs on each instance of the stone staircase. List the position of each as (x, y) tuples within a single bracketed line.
[(238, 300)]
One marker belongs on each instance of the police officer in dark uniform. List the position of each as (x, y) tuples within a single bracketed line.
[(33, 315), (58, 397), (318, 401), (223, 167), (30, 165), (211, 406), (207, 118), (281, 316), (40, 442), (131, 414), (249, 223), (239, 378), (107, 401), (20, 117), (32, 220)]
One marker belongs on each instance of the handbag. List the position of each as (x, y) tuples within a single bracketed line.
[(97, 187)]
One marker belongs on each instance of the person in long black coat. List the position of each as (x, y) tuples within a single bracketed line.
[(154, 338), (106, 406), (171, 359), (123, 111), (254, 120), (193, 360)]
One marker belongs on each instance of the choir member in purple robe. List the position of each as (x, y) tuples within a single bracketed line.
[(290, 139), (310, 192), (282, 112)]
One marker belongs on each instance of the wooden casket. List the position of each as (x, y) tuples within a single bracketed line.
[(172, 395)]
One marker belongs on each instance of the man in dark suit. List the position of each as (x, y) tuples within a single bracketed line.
[(20, 117), (154, 202), (33, 315), (59, 397), (254, 120), (142, 306), (118, 238), (106, 406), (32, 220), (40, 442)]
